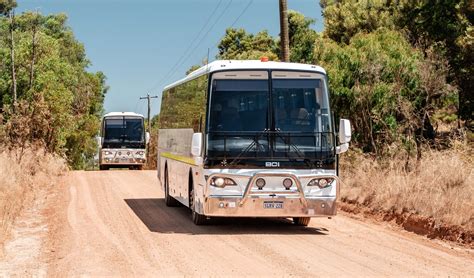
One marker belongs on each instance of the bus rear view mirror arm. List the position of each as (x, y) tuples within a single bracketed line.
[(196, 145), (342, 148)]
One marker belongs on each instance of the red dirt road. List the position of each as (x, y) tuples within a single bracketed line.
[(116, 223)]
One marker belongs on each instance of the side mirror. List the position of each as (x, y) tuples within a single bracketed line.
[(344, 131), (344, 136), (196, 145), (147, 137), (99, 141)]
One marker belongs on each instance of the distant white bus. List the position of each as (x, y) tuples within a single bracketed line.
[(123, 140), (251, 139)]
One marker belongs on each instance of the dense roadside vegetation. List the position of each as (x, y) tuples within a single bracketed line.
[(47, 96), (402, 72), (50, 107)]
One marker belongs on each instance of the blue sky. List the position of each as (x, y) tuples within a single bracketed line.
[(137, 43)]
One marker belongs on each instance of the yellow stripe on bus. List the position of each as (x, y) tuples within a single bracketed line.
[(181, 158)]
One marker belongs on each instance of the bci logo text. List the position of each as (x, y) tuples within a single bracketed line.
[(272, 164)]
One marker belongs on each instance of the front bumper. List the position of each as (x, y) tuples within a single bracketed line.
[(112, 162), (118, 157), (271, 203), (255, 207)]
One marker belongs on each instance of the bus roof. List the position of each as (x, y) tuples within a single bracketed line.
[(121, 114), (245, 64)]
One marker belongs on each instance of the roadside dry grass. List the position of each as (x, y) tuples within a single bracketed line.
[(441, 188), (20, 182)]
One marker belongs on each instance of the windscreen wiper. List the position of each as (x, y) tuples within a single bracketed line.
[(295, 147), (255, 143), (247, 149)]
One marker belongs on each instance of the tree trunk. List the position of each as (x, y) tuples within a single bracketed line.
[(33, 52), (12, 58)]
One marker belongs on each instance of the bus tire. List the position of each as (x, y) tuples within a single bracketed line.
[(301, 221), (103, 168), (198, 219), (169, 201)]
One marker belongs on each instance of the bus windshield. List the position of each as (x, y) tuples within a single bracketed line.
[(255, 116), (123, 131), (301, 109), (239, 105)]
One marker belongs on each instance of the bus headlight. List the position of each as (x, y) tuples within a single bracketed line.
[(222, 182), (321, 183), (107, 153), (219, 182)]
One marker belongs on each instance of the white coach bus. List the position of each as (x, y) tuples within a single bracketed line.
[(123, 141), (251, 139)]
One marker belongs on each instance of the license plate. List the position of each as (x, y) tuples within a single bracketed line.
[(272, 205)]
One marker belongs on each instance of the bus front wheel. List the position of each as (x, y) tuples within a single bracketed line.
[(301, 221), (198, 219)]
